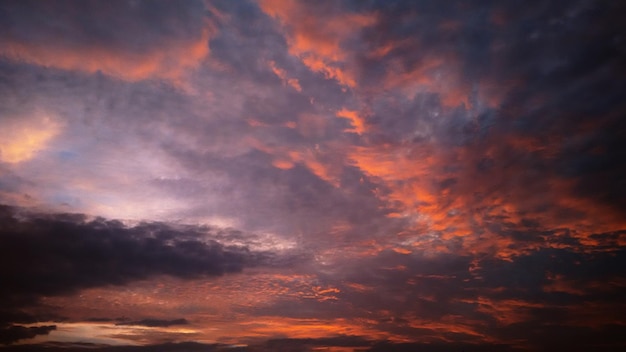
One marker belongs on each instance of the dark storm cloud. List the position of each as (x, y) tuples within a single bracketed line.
[(59, 254)]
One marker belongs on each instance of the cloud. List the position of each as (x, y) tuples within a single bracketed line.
[(317, 35), (169, 346), (472, 170), (424, 174), (341, 343), (155, 322), (473, 299), (357, 123), (293, 82), (14, 333), (59, 254), (22, 138), (118, 39), (437, 347)]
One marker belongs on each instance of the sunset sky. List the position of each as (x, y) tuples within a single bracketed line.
[(281, 175)]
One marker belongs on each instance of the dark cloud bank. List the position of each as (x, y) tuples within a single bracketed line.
[(59, 254)]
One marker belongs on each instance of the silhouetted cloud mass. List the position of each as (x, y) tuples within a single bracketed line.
[(58, 254)]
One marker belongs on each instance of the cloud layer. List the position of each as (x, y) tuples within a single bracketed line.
[(358, 175)]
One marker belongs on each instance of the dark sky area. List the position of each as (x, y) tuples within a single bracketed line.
[(281, 175)]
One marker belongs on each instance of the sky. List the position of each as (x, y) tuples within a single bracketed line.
[(282, 175)]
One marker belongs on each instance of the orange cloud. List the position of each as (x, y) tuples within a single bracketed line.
[(282, 74), (321, 41), (21, 140), (410, 176), (448, 324), (215, 305), (169, 61), (507, 311), (444, 196), (314, 161), (282, 164), (318, 40), (357, 122), (320, 162), (436, 74)]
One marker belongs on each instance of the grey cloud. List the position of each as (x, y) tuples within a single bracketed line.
[(135, 26), (262, 193), (59, 254)]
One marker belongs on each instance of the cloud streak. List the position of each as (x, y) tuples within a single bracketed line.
[(76, 36)]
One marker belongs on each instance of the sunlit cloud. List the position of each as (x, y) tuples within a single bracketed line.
[(318, 41), (282, 74), (167, 57), (23, 137), (357, 123)]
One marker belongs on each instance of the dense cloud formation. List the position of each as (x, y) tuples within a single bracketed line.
[(404, 175), (56, 254)]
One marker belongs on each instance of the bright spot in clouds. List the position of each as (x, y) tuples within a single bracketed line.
[(23, 137)]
